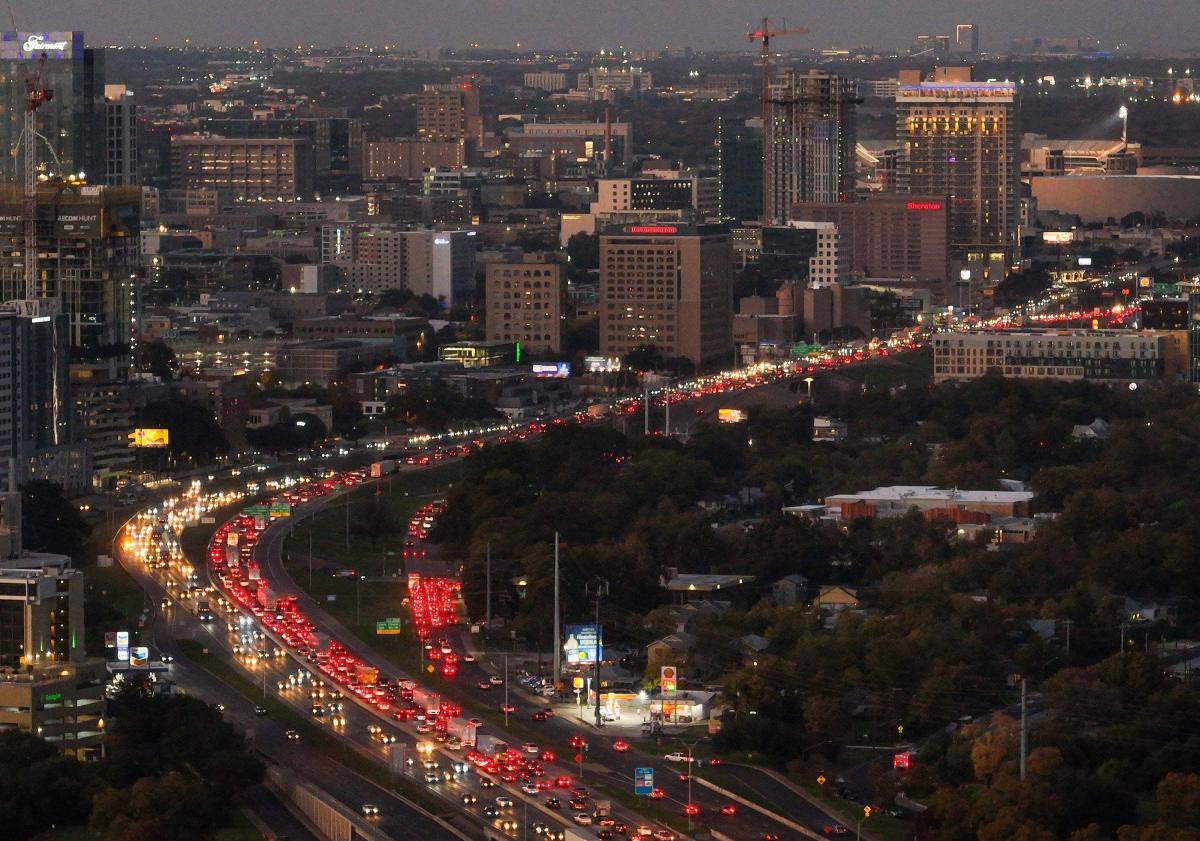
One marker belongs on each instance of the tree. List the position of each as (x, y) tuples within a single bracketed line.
[(583, 251), (195, 436), (644, 358), (49, 521), (157, 358), (373, 519), (1178, 799), (172, 806)]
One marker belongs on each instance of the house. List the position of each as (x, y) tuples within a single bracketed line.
[(789, 590), (687, 586), (1150, 611), (750, 646), (671, 650), (829, 429), (1098, 430), (836, 597)]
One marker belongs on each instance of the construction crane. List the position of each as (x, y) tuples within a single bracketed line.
[(764, 36), (36, 95)]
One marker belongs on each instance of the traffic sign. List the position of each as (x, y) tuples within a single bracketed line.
[(388, 626), (430, 668), (900, 729), (821, 780), (866, 811), (643, 781)]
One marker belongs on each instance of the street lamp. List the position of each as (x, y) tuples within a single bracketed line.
[(1123, 115), (808, 381), (597, 590)]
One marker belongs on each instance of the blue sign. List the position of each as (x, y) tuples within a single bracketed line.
[(643, 781), (582, 644)]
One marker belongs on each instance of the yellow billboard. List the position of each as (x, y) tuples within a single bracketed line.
[(148, 438), (731, 416)]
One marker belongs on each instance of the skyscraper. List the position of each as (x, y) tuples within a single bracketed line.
[(966, 39), (958, 139), (667, 286), (740, 168), (450, 112), (72, 122), (120, 137), (809, 141)]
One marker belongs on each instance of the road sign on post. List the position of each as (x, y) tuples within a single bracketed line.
[(643, 781)]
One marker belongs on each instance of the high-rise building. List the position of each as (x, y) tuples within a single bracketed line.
[(966, 39), (668, 286), (376, 258), (740, 168), (409, 157), (546, 80), (810, 140), (106, 404), (604, 80), (89, 259), (72, 122), (248, 169), (610, 143), (120, 137), (38, 432), (336, 143), (526, 302), (450, 112), (811, 252), (958, 140)]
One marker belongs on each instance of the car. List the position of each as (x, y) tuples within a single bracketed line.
[(691, 810), (683, 778), (547, 756), (539, 828), (621, 746), (469, 799), (260, 710), (539, 715), (836, 829), (509, 826), (529, 747), (483, 684), (491, 812), (370, 810), (218, 707), (606, 835), (664, 835), (508, 709), (504, 801), (468, 658), (583, 819), (657, 794), (496, 680), (530, 788), (729, 810), (562, 782), (677, 757), (578, 804), (432, 777), (553, 803), (487, 782), (579, 791), (293, 735), (769, 836)]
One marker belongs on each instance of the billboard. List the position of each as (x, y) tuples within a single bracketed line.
[(139, 655), (643, 781), (731, 416), (584, 644), (149, 438), (122, 645), (1058, 237), (557, 370), (1085, 261), (601, 364), (669, 679)]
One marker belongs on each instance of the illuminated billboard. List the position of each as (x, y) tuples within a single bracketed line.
[(1057, 237), (149, 438), (583, 644), (555, 370), (731, 416)]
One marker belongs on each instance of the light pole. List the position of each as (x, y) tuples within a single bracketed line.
[(808, 381), (1123, 114), (505, 690), (597, 590), (690, 771), (358, 580)]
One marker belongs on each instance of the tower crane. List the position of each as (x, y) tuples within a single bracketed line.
[(36, 95), (764, 36)]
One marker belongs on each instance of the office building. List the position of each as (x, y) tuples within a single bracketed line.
[(377, 258), (1111, 356), (38, 430), (646, 194), (409, 157), (602, 81), (546, 80), (966, 39), (602, 144), (120, 137), (244, 169), (958, 141), (668, 286), (335, 142), (72, 122), (810, 141), (106, 408), (322, 361), (48, 686), (450, 112), (888, 235), (408, 335), (740, 169), (526, 302), (89, 259), (812, 253)]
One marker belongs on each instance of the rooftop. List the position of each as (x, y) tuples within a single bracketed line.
[(899, 493), (704, 582)]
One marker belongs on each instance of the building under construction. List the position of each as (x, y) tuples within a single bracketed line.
[(88, 258)]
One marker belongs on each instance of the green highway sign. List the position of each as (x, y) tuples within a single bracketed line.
[(388, 626)]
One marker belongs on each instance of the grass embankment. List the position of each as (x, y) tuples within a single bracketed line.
[(910, 368)]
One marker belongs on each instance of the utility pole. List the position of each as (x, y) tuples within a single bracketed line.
[(646, 397), (1068, 623), (505, 690), (310, 525), (1121, 641), (557, 621), (667, 409), (347, 522), (597, 590), (487, 616), (1024, 728)]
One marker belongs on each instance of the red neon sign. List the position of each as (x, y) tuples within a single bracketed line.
[(652, 229), (923, 205)]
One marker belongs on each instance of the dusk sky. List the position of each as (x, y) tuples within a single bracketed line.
[(1161, 24)]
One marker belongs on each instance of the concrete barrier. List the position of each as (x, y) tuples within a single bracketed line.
[(750, 804)]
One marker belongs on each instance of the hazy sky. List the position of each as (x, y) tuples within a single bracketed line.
[(1159, 24)]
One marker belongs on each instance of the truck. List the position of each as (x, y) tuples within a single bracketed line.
[(383, 468), (426, 700), (489, 745), (264, 596), (603, 809), (367, 675), (462, 730), (204, 611), (597, 411)]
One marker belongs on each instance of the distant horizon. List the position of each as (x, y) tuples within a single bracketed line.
[(706, 25)]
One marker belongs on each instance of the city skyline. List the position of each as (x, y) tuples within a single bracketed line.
[(703, 24)]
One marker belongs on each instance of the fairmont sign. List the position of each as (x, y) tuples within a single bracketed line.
[(35, 43), (22, 46)]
